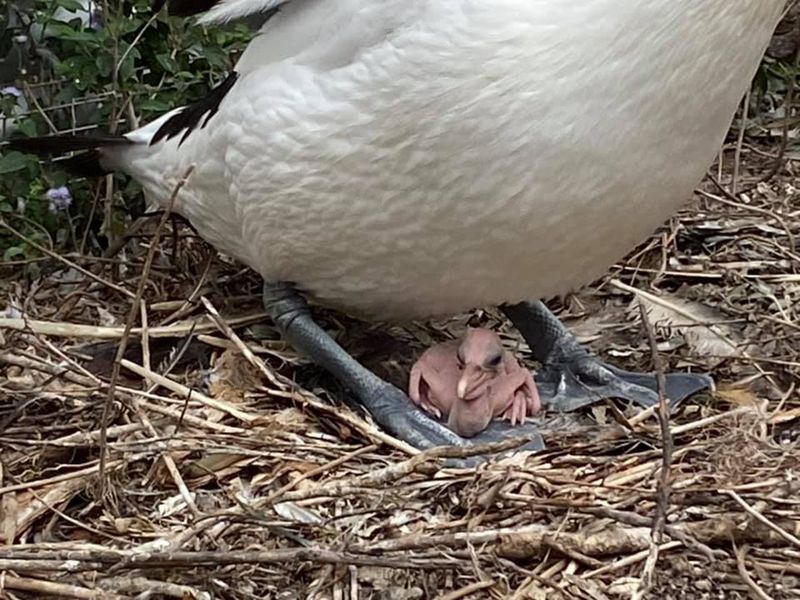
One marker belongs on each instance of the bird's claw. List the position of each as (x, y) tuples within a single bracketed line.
[(572, 384)]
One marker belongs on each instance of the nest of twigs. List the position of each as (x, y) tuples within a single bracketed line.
[(212, 462)]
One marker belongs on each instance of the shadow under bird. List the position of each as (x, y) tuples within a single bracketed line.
[(401, 159)]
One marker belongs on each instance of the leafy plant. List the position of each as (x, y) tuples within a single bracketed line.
[(66, 65)]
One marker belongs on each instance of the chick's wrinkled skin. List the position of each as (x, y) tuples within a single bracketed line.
[(472, 380)]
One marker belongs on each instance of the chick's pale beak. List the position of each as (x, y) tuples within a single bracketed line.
[(471, 380)]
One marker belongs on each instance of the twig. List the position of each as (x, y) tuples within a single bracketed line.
[(393, 472), (319, 470), (788, 106), (630, 518), (58, 478), (123, 344), (90, 560), (114, 333), (52, 588), (678, 310), (169, 462), (758, 516), (240, 345), (737, 161), (143, 585), (184, 391), (662, 499), (630, 560), (467, 590), (741, 553), (65, 261)]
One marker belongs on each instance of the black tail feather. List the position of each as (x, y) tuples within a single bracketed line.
[(61, 144), (87, 163)]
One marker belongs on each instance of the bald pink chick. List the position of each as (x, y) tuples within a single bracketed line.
[(471, 381)]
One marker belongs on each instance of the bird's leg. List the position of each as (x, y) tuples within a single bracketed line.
[(571, 377), (389, 406)]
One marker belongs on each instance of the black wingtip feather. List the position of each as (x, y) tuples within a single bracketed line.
[(188, 118)]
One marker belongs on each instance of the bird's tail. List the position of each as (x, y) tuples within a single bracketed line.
[(88, 160)]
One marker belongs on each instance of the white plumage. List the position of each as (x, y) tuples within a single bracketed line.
[(406, 158)]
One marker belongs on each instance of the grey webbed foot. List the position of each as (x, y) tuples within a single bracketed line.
[(389, 406), (571, 378)]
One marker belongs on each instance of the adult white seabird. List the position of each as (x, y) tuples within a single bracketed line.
[(410, 158)]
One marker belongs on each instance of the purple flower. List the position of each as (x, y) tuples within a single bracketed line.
[(11, 91), (60, 199)]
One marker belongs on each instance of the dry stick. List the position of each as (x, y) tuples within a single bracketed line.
[(123, 344), (91, 560), (169, 462), (175, 360), (629, 560), (51, 588), (84, 438), (662, 500), (737, 161), (30, 96), (186, 306), (226, 330), (192, 420), (144, 586), (759, 517), (69, 519), (145, 335), (637, 520), (45, 367), (114, 333), (468, 590), (319, 470), (85, 472), (381, 477), (183, 390), (133, 44), (24, 565), (741, 553), (108, 206), (564, 550), (63, 260), (354, 591), (368, 429), (788, 104), (700, 423), (73, 364)]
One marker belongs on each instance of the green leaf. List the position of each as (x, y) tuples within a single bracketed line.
[(71, 5), (13, 252), (11, 162)]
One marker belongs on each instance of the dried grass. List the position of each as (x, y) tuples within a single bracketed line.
[(230, 473)]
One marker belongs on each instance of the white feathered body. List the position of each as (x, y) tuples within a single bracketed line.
[(407, 158)]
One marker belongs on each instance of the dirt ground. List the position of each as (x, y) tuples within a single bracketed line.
[(228, 467)]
